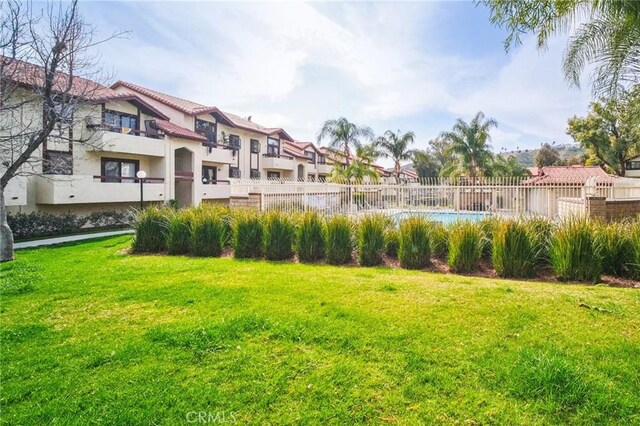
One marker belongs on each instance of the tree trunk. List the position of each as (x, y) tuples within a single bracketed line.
[(6, 236)]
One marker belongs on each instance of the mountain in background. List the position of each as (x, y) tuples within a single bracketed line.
[(527, 157)]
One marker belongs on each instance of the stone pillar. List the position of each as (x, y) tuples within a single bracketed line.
[(596, 207)]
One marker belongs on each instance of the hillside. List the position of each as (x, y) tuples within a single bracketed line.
[(527, 158)]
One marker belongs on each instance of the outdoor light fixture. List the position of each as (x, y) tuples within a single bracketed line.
[(141, 175)]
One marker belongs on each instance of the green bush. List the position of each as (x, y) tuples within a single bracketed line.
[(150, 227), (540, 230), (339, 240), (178, 232), (635, 241), (40, 224), (439, 237), (415, 246), (208, 233), (488, 225), (618, 254), (109, 218), (514, 252), (248, 235), (575, 252), (279, 236), (371, 239), (466, 241), (392, 242), (311, 238)]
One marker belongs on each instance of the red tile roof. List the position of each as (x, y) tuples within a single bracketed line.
[(194, 108), (31, 75), (177, 131), (577, 175)]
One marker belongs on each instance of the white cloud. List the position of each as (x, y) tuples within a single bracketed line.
[(294, 64)]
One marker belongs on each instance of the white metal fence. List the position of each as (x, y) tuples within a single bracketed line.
[(503, 196)]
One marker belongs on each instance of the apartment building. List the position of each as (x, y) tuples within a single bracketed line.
[(188, 151)]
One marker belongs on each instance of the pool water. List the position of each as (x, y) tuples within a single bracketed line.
[(446, 217)]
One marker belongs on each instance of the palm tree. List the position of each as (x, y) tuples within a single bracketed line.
[(507, 167), (396, 146), (607, 41), (342, 135), (470, 144)]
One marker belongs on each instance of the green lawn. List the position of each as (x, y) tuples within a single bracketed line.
[(90, 335)]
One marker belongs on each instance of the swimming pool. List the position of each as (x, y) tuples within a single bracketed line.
[(445, 217)]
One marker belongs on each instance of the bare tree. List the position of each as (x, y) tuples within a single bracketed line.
[(49, 76)]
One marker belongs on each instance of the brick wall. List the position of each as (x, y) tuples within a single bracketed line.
[(600, 207), (252, 201)]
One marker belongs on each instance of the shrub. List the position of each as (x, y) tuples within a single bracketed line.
[(415, 246), (371, 239), (514, 253), (109, 218), (635, 241), (392, 242), (439, 237), (248, 235), (540, 230), (178, 232), (465, 246), (40, 224), (488, 225), (618, 254), (207, 234), (150, 227), (279, 236), (311, 238), (574, 251), (339, 240)]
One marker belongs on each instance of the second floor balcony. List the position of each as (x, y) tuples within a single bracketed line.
[(277, 162), (127, 143)]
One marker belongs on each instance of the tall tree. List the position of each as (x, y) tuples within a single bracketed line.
[(608, 40), (611, 130), (470, 146), (547, 156), (396, 146), (425, 164), (507, 167), (44, 55), (344, 136)]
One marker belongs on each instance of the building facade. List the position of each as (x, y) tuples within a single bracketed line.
[(189, 152)]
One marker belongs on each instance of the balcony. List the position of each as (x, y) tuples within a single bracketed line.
[(277, 162), (128, 144), (219, 154), (221, 189), (82, 189), (15, 193), (324, 169)]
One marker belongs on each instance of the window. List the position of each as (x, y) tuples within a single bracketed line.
[(321, 159), (273, 175), (255, 174), (273, 147), (234, 142), (57, 163), (255, 146), (311, 156), (633, 165), (114, 170), (120, 122), (209, 175), (206, 129), (234, 172)]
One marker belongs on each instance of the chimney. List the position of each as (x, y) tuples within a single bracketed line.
[(249, 118)]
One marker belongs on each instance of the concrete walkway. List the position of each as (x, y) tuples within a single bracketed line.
[(70, 238)]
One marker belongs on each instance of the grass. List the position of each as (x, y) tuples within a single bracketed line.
[(93, 336)]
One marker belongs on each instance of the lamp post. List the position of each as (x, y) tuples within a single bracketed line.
[(141, 174)]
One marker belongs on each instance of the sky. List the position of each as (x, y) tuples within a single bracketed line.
[(389, 65)]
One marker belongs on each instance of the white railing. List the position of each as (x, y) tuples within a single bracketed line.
[(501, 196)]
